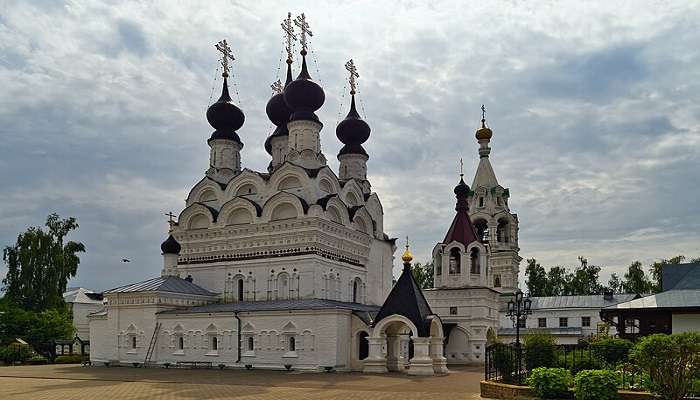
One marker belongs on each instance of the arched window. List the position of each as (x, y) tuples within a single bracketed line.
[(283, 286), (355, 290), (502, 231), (497, 280), (133, 342), (214, 343), (455, 262), (363, 345), (251, 343), (438, 263), (181, 343), (481, 229), (292, 343), (240, 289), (481, 201), (476, 267)]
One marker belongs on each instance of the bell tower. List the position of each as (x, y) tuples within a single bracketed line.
[(495, 224)]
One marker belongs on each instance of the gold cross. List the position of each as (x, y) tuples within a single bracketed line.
[(223, 47), (300, 21), (350, 66), (288, 29)]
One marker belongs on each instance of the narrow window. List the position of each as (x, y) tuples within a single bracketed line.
[(214, 343), (364, 345), (563, 322), (481, 201), (292, 343), (541, 322), (586, 321), (181, 343), (497, 280), (476, 267), (251, 343), (133, 342), (354, 291), (240, 290), (455, 267)]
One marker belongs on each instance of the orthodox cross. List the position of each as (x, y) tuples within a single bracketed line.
[(288, 29), (300, 21), (223, 47), (170, 216), (461, 167), (350, 66), (276, 87), (406, 242), (483, 113)]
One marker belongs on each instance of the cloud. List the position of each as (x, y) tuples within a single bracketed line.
[(593, 107)]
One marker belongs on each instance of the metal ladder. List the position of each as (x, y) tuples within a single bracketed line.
[(152, 344)]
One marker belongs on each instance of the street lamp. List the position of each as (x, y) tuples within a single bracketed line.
[(518, 310)]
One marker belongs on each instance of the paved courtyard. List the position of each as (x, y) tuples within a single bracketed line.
[(77, 382)]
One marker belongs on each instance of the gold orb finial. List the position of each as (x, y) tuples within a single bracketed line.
[(407, 257), (483, 133)]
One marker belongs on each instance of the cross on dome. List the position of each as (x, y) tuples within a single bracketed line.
[(461, 167), (225, 50), (300, 21), (350, 66), (276, 87), (290, 37)]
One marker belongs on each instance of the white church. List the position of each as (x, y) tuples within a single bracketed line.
[(291, 267)]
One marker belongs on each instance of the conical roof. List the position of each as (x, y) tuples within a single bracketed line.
[(462, 230)]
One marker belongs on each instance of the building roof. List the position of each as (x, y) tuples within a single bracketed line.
[(81, 295), (563, 331), (590, 301), (462, 230), (170, 284), (276, 305), (407, 299), (681, 276), (675, 299)]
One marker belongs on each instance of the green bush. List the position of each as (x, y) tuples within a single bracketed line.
[(583, 364), (596, 385), (672, 362), (611, 351), (550, 383), (36, 360), (540, 351), (15, 353), (70, 359)]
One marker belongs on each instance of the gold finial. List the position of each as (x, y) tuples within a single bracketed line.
[(224, 48), (483, 133), (276, 87), (407, 257)]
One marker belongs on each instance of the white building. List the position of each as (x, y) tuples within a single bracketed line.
[(477, 263), (286, 267), (81, 302)]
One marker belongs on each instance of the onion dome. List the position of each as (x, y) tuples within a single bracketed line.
[(407, 257), (170, 246), (352, 131), (303, 95), (225, 117), (462, 189)]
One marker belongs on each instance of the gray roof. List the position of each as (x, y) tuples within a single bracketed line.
[(591, 301), (276, 305), (565, 331), (170, 284), (679, 299), (81, 295), (680, 276)]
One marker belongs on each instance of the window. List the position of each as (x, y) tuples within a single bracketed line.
[(363, 345), (292, 343), (251, 343), (240, 290), (481, 201), (214, 343), (133, 342), (181, 343), (541, 322), (521, 323), (455, 267), (586, 321), (497, 280), (453, 310), (354, 291), (563, 322), (476, 265)]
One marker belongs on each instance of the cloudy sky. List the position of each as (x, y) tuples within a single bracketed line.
[(594, 108)]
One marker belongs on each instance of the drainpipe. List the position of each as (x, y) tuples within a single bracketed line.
[(238, 359)]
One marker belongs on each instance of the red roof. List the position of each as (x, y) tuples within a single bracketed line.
[(461, 230)]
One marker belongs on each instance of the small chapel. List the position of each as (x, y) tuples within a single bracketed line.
[(291, 267)]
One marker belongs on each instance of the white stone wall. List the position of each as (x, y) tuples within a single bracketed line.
[(353, 166), (80, 320), (685, 323), (574, 319)]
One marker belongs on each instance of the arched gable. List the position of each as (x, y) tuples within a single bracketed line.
[(289, 327), (363, 221), (193, 216), (282, 199), (237, 211), (326, 175), (205, 186), (245, 178), (375, 209), (352, 194), (286, 171), (337, 211)]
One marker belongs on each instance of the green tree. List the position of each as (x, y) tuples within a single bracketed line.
[(423, 274), (558, 281), (39, 329), (635, 279), (656, 268), (40, 265), (615, 283), (536, 278), (584, 279)]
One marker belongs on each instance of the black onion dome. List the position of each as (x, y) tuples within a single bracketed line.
[(304, 96), (462, 189), (277, 110), (170, 246), (225, 117), (352, 130)]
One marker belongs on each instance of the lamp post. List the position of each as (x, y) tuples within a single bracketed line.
[(518, 310)]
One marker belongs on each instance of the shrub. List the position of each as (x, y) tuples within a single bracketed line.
[(596, 385), (503, 359), (70, 359), (611, 351), (540, 351), (550, 383), (36, 360), (583, 364), (672, 362), (15, 353)]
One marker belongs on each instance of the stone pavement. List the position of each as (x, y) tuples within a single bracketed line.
[(99, 383)]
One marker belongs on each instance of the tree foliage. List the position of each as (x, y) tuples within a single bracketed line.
[(535, 278), (635, 280), (39, 329), (423, 274), (40, 265)]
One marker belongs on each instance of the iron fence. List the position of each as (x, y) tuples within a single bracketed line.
[(510, 363)]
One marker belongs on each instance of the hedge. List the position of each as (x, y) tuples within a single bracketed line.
[(550, 383), (596, 385)]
